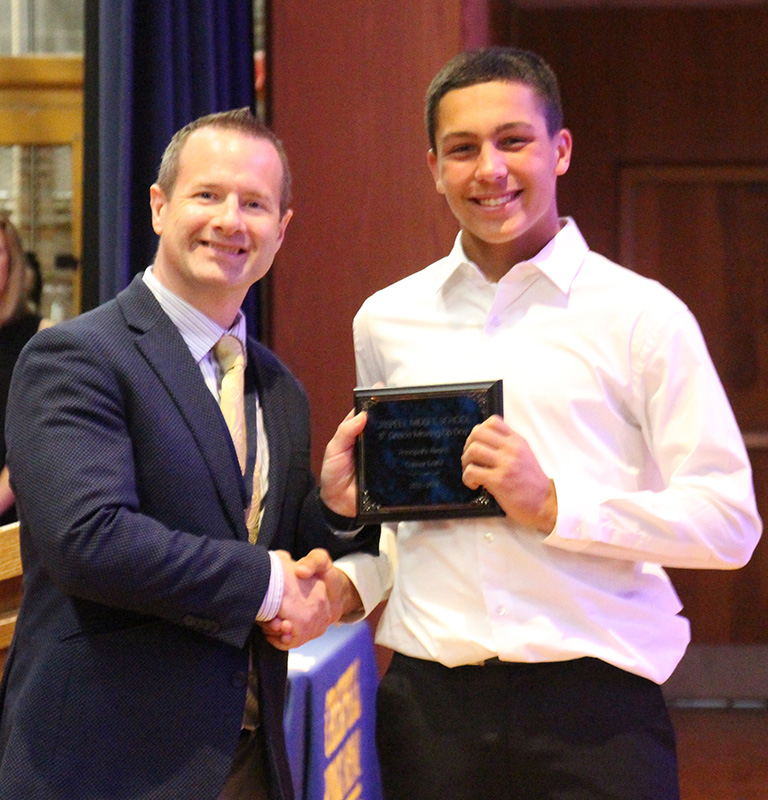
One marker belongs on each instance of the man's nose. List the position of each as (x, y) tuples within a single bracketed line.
[(229, 217)]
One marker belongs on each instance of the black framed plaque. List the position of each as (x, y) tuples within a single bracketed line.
[(408, 458)]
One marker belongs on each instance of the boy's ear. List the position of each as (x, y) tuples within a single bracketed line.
[(564, 149), (434, 168)]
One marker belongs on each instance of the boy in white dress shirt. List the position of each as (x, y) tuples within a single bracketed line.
[(529, 648)]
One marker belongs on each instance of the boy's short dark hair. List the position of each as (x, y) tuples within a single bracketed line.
[(508, 64)]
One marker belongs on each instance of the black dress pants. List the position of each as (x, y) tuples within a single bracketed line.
[(570, 730), (248, 776)]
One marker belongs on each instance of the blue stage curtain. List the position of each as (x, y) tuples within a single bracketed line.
[(151, 66)]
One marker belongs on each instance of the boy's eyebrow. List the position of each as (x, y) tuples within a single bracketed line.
[(507, 126)]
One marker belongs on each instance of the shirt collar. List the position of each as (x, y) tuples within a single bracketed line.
[(199, 331), (559, 260)]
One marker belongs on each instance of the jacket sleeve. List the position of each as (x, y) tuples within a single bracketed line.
[(117, 505)]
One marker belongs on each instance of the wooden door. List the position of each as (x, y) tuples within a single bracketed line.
[(701, 232), (670, 177)]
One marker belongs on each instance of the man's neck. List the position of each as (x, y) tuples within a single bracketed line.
[(221, 307)]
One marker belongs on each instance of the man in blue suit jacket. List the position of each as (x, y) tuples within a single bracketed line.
[(128, 671)]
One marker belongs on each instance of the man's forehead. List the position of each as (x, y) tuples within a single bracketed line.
[(213, 147), (220, 136)]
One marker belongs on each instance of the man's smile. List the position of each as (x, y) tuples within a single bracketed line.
[(228, 249)]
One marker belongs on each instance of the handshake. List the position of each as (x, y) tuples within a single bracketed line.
[(315, 594)]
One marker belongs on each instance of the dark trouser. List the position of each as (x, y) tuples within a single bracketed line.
[(248, 777), (570, 730)]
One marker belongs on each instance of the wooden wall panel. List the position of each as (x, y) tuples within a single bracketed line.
[(675, 86), (347, 81)]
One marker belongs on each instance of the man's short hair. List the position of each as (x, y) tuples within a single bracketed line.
[(506, 64), (239, 119)]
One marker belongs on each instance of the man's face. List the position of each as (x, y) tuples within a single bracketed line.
[(221, 227), (497, 166)]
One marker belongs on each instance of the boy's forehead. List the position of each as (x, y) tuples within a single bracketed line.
[(478, 101)]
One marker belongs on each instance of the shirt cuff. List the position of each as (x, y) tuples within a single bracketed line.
[(371, 575), (274, 596)]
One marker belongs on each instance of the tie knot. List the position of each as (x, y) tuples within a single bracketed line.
[(229, 352)]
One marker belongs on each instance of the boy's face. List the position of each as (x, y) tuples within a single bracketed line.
[(498, 166)]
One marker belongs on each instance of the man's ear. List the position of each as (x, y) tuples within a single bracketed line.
[(434, 168), (284, 220), (157, 202)]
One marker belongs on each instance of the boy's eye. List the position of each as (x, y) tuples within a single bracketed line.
[(460, 149), (510, 142)]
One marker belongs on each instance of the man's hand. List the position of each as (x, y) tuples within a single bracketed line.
[(500, 460), (342, 593), (325, 595), (338, 488)]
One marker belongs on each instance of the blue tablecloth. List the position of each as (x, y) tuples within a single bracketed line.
[(330, 716)]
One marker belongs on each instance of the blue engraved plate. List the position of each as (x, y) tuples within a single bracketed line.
[(409, 455)]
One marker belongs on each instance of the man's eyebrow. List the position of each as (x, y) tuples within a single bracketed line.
[(216, 185)]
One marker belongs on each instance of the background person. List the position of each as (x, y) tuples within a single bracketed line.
[(34, 280), (18, 323)]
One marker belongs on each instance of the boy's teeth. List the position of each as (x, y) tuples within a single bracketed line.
[(496, 201)]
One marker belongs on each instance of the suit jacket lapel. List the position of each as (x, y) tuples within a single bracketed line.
[(272, 399), (164, 349)]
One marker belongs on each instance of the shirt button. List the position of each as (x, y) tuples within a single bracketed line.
[(489, 537)]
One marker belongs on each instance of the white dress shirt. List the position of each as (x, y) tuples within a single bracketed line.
[(200, 334), (607, 377)]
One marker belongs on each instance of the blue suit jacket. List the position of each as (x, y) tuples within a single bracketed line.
[(126, 676)]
